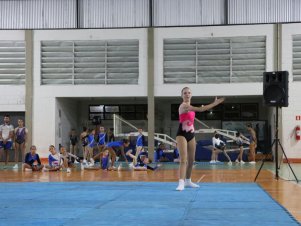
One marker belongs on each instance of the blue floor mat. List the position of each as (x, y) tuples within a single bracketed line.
[(138, 203)]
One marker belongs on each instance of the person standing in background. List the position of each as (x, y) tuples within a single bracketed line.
[(20, 141), (6, 138)]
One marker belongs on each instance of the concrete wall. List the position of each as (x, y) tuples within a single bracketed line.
[(289, 122)]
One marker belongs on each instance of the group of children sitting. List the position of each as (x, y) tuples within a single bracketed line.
[(64, 160), (98, 149)]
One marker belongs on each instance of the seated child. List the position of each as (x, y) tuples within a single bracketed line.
[(53, 159), (176, 155), (161, 157), (105, 161), (32, 160)]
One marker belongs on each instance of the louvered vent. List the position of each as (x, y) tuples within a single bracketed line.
[(297, 58), (90, 62), (214, 60), (12, 62)]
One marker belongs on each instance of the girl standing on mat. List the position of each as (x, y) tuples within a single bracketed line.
[(185, 137)]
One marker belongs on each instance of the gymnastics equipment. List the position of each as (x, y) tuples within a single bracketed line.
[(225, 133), (123, 128)]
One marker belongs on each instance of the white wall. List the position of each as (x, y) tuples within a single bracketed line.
[(12, 97), (44, 96), (240, 89), (291, 146)]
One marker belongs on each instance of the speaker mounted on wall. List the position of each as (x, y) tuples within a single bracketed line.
[(275, 88)]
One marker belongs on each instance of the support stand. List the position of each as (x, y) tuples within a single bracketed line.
[(276, 142)]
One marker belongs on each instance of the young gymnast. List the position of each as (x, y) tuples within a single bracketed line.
[(218, 146), (90, 147), (143, 162), (32, 160), (185, 137), (101, 143), (114, 146), (239, 142), (53, 160), (139, 145), (20, 139)]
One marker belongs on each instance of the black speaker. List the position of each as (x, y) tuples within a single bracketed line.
[(275, 88)]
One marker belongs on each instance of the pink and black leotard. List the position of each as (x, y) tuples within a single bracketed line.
[(186, 126)]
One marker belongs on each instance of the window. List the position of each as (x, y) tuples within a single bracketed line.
[(231, 111), (90, 62), (249, 111), (296, 57), (214, 60), (12, 62), (128, 112)]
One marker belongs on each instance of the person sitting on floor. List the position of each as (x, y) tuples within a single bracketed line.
[(32, 160), (64, 157), (176, 155), (105, 160), (53, 160), (161, 156)]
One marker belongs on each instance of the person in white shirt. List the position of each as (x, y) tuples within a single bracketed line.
[(6, 136), (218, 145)]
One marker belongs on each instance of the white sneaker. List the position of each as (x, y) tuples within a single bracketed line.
[(84, 161), (217, 161), (15, 166), (189, 184), (236, 161), (112, 168), (253, 162), (181, 185), (242, 162), (68, 170), (212, 161), (230, 163), (75, 161)]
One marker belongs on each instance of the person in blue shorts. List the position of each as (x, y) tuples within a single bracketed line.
[(6, 136)]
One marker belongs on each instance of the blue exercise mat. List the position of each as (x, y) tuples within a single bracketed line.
[(138, 203)]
